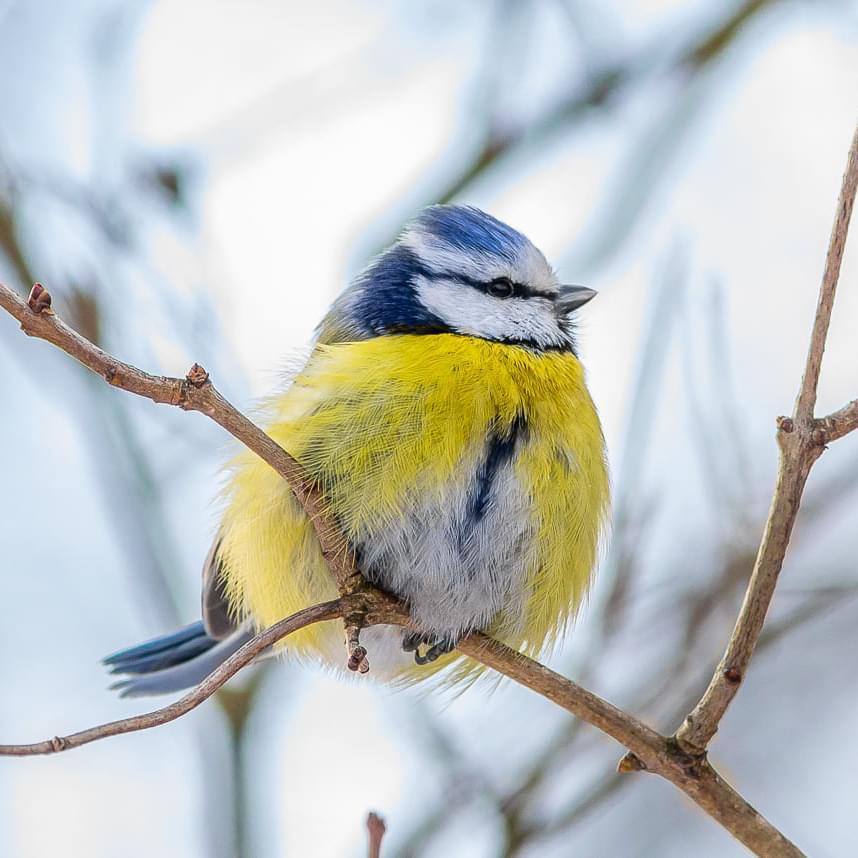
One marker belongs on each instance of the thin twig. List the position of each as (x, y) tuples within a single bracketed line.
[(838, 423), (801, 440), (608, 82), (195, 392), (240, 658), (652, 752), (806, 400), (365, 605), (375, 828)]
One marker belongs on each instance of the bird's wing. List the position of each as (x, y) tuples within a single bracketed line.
[(217, 618)]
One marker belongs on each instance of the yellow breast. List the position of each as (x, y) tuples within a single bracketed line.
[(382, 422)]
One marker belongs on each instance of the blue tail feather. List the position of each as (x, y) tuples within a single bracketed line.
[(173, 662), (157, 645), (168, 658)]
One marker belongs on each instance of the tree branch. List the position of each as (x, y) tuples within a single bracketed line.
[(240, 658), (651, 751), (375, 828), (801, 439), (601, 86), (680, 759), (695, 777), (195, 392), (363, 605), (838, 423)]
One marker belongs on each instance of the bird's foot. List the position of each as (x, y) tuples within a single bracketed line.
[(434, 646)]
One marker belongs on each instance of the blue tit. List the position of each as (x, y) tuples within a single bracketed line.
[(444, 415)]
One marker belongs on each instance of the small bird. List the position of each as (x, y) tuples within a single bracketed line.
[(443, 413)]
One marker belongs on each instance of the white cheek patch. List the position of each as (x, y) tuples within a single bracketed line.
[(469, 311)]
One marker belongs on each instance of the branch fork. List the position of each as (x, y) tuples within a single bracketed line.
[(802, 439), (363, 605), (680, 759)]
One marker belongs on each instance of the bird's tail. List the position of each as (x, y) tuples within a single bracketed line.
[(172, 662)]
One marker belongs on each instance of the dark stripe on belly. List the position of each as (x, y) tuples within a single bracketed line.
[(500, 449)]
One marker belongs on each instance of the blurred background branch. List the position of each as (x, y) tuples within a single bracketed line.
[(146, 181)]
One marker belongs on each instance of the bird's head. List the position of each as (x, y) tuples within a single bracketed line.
[(456, 269)]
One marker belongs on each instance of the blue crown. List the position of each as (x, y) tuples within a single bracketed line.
[(470, 230), (382, 299)]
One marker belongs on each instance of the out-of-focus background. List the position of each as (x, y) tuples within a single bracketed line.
[(197, 180)]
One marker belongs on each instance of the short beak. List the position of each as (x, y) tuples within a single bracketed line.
[(570, 298)]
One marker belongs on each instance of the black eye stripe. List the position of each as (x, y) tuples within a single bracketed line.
[(520, 290), (497, 286)]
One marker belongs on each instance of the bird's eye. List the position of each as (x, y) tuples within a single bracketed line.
[(501, 287)]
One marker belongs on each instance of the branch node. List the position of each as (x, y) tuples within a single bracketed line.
[(733, 675), (39, 300), (631, 763), (686, 736), (785, 424), (58, 744), (197, 376)]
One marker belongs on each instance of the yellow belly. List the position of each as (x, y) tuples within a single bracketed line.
[(390, 423)]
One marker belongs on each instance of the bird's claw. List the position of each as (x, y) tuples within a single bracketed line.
[(436, 647)]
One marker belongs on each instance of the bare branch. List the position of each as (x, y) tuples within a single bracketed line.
[(362, 605), (240, 658), (695, 777), (691, 774), (195, 392), (375, 828), (801, 443), (602, 85), (680, 759), (838, 423), (806, 400)]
